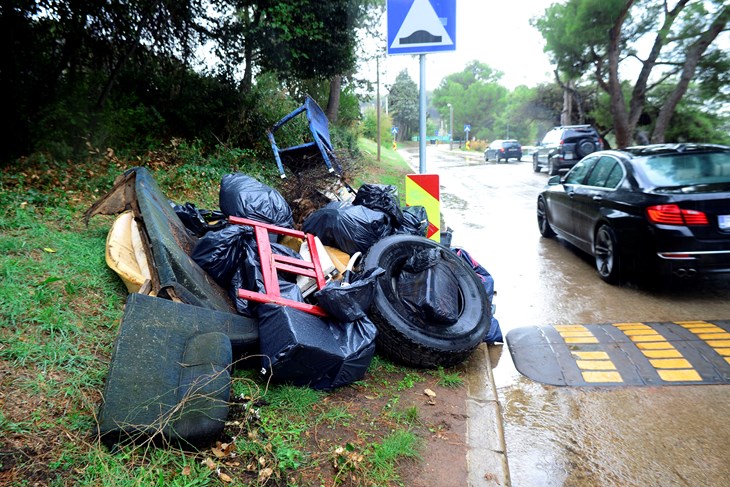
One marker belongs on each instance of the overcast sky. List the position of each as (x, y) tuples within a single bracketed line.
[(495, 32)]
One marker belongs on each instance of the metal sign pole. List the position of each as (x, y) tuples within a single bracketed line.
[(422, 117)]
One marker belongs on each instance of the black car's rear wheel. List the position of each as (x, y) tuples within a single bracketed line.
[(535, 165), (553, 169), (542, 219), (605, 251)]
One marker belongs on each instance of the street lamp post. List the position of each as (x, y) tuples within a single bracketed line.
[(451, 126)]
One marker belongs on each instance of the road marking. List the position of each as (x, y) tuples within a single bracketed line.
[(632, 353), (669, 369), (595, 366), (712, 335)]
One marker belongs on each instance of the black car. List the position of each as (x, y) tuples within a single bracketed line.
[(503, 150), (662, 208), (563, 146)]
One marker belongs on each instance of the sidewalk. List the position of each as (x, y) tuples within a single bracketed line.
[(486, 450), (486, 456)]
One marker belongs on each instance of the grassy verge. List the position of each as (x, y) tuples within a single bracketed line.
[(60, 308)]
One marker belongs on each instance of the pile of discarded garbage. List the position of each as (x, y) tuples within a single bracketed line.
[(240, 286)]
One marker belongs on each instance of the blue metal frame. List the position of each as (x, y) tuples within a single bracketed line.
[(318, 126)]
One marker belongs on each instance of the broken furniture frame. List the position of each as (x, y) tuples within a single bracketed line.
[(271, 263), (302, 156)]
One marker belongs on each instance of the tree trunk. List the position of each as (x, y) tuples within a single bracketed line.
[(566, 116), (638, 96), (694, 53), (618, 103), (333, 103)]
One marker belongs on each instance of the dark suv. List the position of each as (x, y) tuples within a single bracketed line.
[(563, 146)]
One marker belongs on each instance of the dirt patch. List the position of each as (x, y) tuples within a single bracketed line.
[(438, 420)]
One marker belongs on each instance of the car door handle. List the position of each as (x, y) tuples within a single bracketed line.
[(597, 198), (571, 194)]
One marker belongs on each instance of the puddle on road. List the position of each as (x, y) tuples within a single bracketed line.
[(611, 437), (453, 202)]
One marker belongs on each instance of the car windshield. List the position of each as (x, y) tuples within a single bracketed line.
[(671, 170), (510, 143)]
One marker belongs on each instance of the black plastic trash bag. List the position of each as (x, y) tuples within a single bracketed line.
[(415, 221), (428, 287), (219, 252), (381, 197), (198, 221), (349, 301), (350, 228), (304, 350), (494, 334), (248, 274), (245, 197)]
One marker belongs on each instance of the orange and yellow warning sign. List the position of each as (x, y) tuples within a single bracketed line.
[(423, 190)]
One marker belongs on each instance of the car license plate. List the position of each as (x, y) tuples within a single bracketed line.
[(723, 221), (568, 155)]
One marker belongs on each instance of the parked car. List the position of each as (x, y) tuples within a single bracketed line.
[(662, 209), (563, 146), (503, 150)]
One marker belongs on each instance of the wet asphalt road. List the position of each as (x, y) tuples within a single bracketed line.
[(561, 436)]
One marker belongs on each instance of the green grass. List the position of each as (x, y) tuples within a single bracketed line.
[(60, 308), (391, 169)]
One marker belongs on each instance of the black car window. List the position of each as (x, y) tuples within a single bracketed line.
[(686, 169), (601, 172), (551, 137), (579, 171), (617, 174)]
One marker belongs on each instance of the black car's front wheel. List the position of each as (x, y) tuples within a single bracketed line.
[(414, 340), (605, 251), (542, 219)]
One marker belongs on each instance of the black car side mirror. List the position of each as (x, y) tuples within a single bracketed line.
[(554, 180)]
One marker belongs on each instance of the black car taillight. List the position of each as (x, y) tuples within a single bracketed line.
[(674, 215)]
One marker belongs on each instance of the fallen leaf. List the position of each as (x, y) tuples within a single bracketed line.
[(265, 474), (209, 463), (218, 452), (232, 464), (49, 250), (186, 470), (224, 477)]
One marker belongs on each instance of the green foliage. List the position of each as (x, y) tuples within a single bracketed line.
[(400, 444), (370, 126), (121, 75), (580, 36), (477, 99), (391, 169), (403, 103), (449, 379)]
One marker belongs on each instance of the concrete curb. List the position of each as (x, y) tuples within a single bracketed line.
[(486, 449)]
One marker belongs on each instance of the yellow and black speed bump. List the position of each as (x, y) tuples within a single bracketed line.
[(614, 354)]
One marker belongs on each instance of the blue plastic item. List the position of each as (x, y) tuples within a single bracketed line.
[(303, 156)]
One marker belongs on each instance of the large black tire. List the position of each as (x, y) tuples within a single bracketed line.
[(543, 222), (605, 251), (410, 340), (585, 147)]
